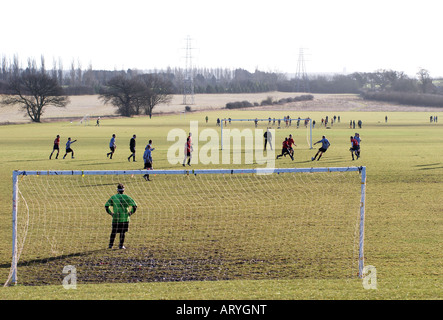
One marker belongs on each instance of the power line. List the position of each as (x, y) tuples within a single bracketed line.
[(188, 80), (301, 76)]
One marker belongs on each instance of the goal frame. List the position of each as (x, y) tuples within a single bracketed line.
[(17, 173), (253, 120)]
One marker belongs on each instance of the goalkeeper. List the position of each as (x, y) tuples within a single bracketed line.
[(120, 203)]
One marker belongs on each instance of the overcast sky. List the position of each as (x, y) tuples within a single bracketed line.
[(336, 35)]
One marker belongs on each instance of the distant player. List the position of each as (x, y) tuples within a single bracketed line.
[(112, 147), (69, 149), (284, 149), (147, 158), (188, 151), (268, 137), (357, 137), (132, 148), (354, 147), (324, 146), (120, 213), (55, 147)]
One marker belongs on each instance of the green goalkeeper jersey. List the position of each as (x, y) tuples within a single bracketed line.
[(120, 204)]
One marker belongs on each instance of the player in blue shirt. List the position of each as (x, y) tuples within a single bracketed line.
[(147, 157), (324, 146), (68, 148), (112, 146), (357, 137)]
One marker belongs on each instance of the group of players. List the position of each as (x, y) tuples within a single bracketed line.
[(121, 202), (147, 155), (287, 148), (56, 147), (112, 147)]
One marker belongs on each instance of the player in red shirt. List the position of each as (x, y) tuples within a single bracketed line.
[(55, 147), (290, 149), (188, 151), (284, 150), (354, 147)]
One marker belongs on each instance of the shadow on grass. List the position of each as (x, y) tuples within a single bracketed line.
[(430, 166), (156, 265), (46, 260)]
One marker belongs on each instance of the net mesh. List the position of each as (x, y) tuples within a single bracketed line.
[(190, 227)]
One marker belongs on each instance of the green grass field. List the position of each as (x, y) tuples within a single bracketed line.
[(404, 217)]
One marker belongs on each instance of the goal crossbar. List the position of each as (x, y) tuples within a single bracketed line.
[(17, 173), (193, 171)]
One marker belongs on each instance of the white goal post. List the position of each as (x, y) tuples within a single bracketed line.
[(158, 175), (85, 120), (267, 120)]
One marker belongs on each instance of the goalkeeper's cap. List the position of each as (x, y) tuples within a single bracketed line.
[(120, 187)]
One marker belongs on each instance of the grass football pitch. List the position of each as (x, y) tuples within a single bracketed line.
[(404, 216)]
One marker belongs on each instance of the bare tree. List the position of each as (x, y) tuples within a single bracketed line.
[(157, 90), (60, 71), (88, 76), (4, 68), (43, 64), (424, 80), (54, 69), (79, 73), (124, 93), (33, 91), (131, 95), (72, 74), (15, 66)]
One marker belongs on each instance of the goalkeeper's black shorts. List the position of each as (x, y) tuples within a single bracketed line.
[(119, 227)]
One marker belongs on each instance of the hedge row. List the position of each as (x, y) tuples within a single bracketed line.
[(413, 99), (267, 102)]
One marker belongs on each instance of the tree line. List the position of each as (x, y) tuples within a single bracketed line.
[(34, 87), (136, 92), (77, 80)]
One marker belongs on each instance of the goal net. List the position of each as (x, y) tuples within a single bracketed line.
[(85, 120), (303, 127), (189, 225)]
